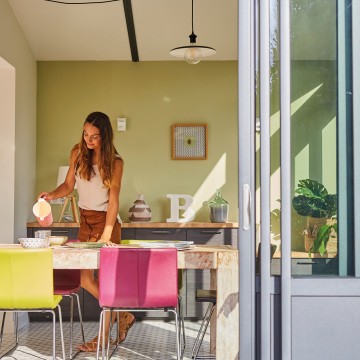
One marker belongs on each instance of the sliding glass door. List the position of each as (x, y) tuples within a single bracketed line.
[(298, 165)]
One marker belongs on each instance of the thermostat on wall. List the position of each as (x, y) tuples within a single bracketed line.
[(121, 124)]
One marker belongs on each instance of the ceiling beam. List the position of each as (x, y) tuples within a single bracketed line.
[(131, 30)]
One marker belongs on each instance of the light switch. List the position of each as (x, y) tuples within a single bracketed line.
[(121, 124)]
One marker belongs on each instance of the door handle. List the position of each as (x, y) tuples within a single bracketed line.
[(246, 208)]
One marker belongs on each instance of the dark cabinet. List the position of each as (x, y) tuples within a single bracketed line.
[(70, 232), (161, 234), (153, 234)]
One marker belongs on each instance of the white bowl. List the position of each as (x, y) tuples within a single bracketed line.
[(34, 243), (58, 240)]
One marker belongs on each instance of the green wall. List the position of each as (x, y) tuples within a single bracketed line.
[(152, 96)]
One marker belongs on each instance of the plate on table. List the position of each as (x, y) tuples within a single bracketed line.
[(180, 245), (85, 245)]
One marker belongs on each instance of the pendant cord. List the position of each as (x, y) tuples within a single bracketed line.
[(192, 16)]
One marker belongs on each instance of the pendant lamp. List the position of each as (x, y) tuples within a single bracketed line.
[(192, 53)]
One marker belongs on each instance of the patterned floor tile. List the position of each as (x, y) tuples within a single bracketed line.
[(147, 340)]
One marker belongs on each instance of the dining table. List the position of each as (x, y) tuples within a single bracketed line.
[(221, 260)]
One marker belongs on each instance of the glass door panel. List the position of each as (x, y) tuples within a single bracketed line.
[(314, 136), (320, 137)]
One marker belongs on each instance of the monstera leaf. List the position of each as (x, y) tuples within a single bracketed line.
[(311, 188), (313, 200)]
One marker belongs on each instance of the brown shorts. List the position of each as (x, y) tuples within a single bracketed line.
[(92, 225)]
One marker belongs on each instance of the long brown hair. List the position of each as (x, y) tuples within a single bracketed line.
[(108, 153)]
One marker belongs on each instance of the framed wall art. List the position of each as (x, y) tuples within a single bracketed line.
[(189, 142)]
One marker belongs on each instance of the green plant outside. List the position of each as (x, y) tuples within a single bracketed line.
[(313, 200)]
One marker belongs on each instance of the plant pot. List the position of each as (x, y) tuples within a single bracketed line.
[(332, 244), (310, 232), (332, 247)]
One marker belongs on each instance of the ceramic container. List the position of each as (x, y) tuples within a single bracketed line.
[(140, 211), (42, 212), (34, 243), (58, 240)]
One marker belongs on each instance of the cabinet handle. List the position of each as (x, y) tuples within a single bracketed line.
[(161, 231), (210, 232)]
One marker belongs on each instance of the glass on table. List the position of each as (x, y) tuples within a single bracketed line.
[(43, 234)]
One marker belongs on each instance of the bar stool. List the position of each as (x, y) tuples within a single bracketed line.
[(203, 296)]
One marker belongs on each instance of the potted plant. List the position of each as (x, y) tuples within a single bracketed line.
[(313, 201)]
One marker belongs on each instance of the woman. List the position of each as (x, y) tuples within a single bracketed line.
[(96, 168)]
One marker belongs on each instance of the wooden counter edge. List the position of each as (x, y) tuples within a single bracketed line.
[(55, 224), (189, 225)]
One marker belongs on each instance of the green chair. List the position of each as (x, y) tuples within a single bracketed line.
[(26, 278)]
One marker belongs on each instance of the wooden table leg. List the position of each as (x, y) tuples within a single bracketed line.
[(224, 331)]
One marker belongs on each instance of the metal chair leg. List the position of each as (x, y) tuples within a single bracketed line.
[(182, 324), (71, 324), (99, 336), (16, 333), (80, 316), (202, 331), (105, 346), (61, 332), (71, 354), (2, 327), (17, 328)]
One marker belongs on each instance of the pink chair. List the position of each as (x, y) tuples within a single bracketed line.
[(67, 284), (138, 279)]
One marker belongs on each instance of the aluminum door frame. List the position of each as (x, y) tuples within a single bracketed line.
[(246, 189)]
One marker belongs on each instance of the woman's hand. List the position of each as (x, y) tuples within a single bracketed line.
[(107, 242), (46, 196)]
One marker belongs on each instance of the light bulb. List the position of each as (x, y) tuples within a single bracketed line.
[(192, 55)]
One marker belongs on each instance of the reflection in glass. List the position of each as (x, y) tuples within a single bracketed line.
[(314, 147)]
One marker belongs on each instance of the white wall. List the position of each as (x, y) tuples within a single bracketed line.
[(7, 150), (17, 180)]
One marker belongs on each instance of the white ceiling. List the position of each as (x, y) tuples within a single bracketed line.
[(99, 32)]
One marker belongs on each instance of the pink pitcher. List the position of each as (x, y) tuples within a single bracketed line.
[(42, 212)]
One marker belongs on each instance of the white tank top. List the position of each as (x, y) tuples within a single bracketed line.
[(93, 195)]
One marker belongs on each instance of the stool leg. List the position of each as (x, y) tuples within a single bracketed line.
[(202, 331)]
